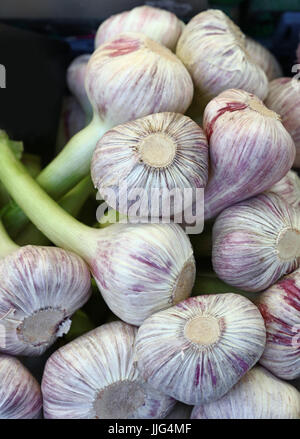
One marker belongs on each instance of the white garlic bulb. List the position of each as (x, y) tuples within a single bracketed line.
[(163, 152), (259, 395), (264, 58), (288, 188), (256, 241), (158, 24), (213, 49), (20, 393), (280, 308), (75, 79), (95, 376), (40, 289), (246, 140), (284, 98), (197, 350)]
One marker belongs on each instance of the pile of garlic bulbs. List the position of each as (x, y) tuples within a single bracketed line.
[(166, 346)]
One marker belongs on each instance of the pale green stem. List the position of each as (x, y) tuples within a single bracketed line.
[(7, 246), (51, 219)]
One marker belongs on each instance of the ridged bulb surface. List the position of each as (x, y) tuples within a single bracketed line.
[(153, 263), (41, 287), (256, 242), (250, 150), (284, 98), (20, 393), (164, 152), (280, 308), (199, 349), (288, 188), (264, 58), (95, 377), (213, 49), (259, 395), (76, 78), (158, 24), (132, 76)]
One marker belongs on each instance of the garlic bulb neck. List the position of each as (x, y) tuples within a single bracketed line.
[(258, 106), (288, 244), (184, 282), (119, 400), (43, 326), (7, 246), (203, 330), (157, 150)]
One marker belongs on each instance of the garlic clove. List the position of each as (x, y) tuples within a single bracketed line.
[(95, 376), (256, 241), (20, 393), (150, 79), (213, 49), (244, 138), (198, 349), (160, 25), (288, 188), (259, 395), (264, 58), (143, 268), (161, 152), (280, 308), (75, 79), (41, 287), (284, 98)]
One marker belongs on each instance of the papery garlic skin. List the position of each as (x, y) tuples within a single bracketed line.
[(264, 58), (95, 377), (151, 79), (245, 139), (258, 395), (280, 308), (76, 78), (284, 98), (40, 289), (155, 263), (198, 349), (158, 24), (165, 151), (213, 49), (20, 393), (288, 188), (256, 241)]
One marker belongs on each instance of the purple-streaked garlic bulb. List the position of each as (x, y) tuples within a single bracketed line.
[(264, 58), (245, 138), (258, 395), (280, 308), (199, 349), (96, 377), (284, 98), (213, 49), (158, 24), (40, 289), (164, 152), (256, 242), (20, 393), (288, 188), (75, 79), (150, 79)]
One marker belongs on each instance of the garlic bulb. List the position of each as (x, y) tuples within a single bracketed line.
[(245, 139), (40, 289), (264, 58), (164, 151), (72, 120), (259, 395), (256, 241), (158, 24), (95, 377), (20, 394), (197, 350), (280, 308), (284, 98), (213, 49), (288, 188), (75, 79)]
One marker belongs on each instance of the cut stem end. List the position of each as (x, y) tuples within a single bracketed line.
[(157, 150), (203, 330), (185, 282), (288, 244)]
